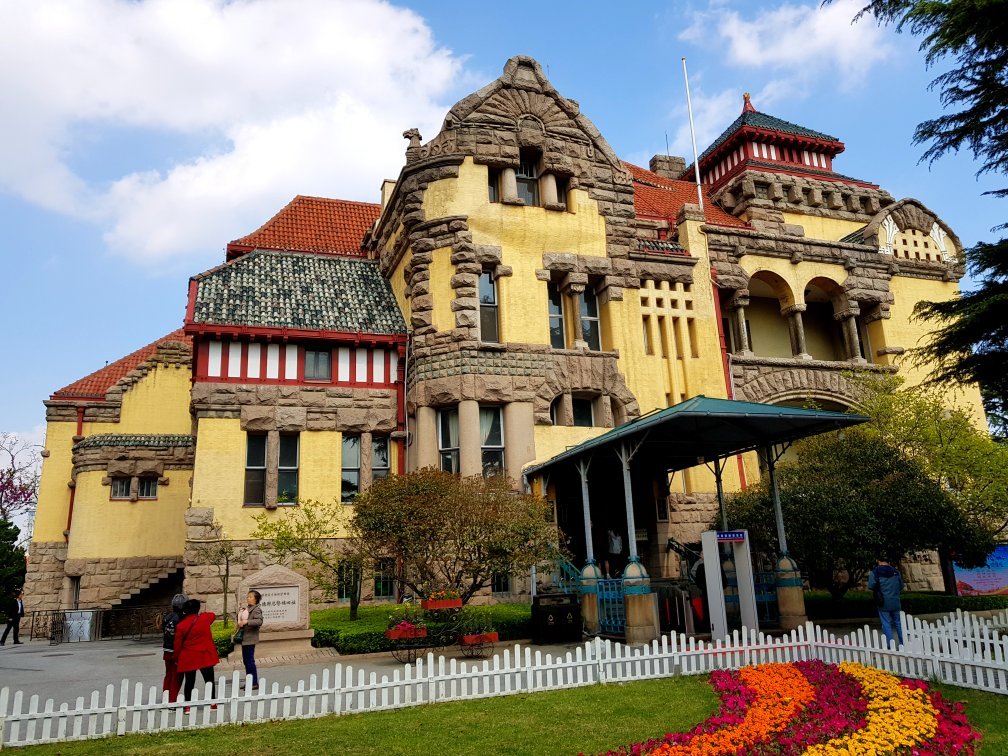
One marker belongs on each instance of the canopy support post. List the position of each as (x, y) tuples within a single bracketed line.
[(625, 456), (771, 462), (582, 467)]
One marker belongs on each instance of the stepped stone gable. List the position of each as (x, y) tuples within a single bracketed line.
[(177, 354), (297, 408), (520, 109)]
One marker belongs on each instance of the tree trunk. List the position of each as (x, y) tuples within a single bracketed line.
[(355, 591), (224, 584), (948, 572)]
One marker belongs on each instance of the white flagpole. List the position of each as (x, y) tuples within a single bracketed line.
[(696, 159)]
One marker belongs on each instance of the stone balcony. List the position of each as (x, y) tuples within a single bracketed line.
[(780, 379)]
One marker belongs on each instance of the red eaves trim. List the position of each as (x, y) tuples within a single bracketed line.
[(285, 334)]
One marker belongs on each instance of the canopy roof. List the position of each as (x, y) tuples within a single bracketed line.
[(679, 436)]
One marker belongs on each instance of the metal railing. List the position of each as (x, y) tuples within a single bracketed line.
[(82, 625)]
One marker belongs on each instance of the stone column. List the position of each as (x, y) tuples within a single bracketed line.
[(797, 330), (519, 442), (470, 452), (548, 189), (366, 454), (509, 186), (272, 467), (852, 341), (738, 304), (425, 442)]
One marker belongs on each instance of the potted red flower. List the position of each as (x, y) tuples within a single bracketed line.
[(445, 599)]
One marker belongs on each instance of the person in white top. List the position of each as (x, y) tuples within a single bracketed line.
[(614, 564)]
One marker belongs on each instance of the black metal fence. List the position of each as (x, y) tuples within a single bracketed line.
[(81, 625)]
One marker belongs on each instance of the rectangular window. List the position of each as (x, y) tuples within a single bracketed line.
[(318, 365), (255, 469), (558, 339), (662, 336), (120, 488), (489, 325), (148, 488), (648, 349), (346, 580), (563, 186), (492, 441), (379, 457), (350, 482), (528, 178), (287, 479), (500, 582), (583, 415), (493, 184), (384, 578), (590, 331), (448, 440)]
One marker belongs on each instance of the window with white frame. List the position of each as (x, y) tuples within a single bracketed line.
[(448, 439), (318, 365), (492, 441), (590, 325), (350, 462), (287, 478), (489, 316), (147, 488), (380, 463), (557, 334), (120, 488), (255, 469)]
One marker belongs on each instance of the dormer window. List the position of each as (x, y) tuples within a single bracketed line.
[(528, 177)]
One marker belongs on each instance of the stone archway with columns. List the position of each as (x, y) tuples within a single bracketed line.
[(775, 381)]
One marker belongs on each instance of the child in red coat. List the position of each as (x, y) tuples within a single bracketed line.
[(195, 648)]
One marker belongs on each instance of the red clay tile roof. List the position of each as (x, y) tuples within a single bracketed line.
[(659, 197), (100, 381), (313, 224)]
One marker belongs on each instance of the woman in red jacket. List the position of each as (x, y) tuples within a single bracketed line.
[(194, 647)]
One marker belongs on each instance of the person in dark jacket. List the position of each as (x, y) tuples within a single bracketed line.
[(195, 648), (15, 611), (886, 583), (250, 619), (172, 680)]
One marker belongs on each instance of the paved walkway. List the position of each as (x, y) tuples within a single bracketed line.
[(70, 670)]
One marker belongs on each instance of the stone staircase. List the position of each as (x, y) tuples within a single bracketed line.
[(153, 580)]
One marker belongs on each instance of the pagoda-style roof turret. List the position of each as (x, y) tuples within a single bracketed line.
[(767, 143)]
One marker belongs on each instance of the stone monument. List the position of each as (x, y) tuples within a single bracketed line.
[(285, 599)]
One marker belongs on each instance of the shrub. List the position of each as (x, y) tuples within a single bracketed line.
[(222, 638), (861, 605)]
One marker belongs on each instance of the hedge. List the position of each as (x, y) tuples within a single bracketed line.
[(819, 605)]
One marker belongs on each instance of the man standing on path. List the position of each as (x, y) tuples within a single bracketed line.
[(886, 584), (14, 611)]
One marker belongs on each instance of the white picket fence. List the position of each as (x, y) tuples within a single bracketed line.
[(960, 649)]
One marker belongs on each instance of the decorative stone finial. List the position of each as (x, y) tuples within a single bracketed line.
[(747, 106), (413, 149)]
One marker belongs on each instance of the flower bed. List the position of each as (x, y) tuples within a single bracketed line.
[(816, 709)]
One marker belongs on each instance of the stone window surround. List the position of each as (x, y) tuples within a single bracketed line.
[(562, 409), (548, 182), (273, 468), (134, 487)]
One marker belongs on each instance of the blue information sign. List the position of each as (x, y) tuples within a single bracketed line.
[(731, 536)]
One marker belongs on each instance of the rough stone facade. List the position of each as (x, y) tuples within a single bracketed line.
[(764, 379)]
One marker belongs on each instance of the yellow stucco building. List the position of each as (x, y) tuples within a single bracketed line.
[(518, 290)]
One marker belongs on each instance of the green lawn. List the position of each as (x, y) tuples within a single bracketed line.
[(591, 719)]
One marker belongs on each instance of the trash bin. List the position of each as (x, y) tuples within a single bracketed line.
[(556, 618)]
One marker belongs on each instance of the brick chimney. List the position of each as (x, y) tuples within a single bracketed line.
[(669, 166)]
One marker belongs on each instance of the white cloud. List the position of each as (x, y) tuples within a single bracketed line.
[(309, 96), (802, 48)]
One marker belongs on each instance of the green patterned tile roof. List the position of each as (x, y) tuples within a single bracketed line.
[(134, 440), (763, 121), (271, 289)]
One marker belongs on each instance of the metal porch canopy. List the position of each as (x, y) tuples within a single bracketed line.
[(704, 429)]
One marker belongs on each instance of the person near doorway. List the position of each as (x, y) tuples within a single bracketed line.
[(886, 584), (614, 562), (14, 611), (195, 648), (698, 575), (250, 619), (172, 680)]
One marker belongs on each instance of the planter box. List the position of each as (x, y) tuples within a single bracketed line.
[(455, 603), (395, 633), (474, 639)]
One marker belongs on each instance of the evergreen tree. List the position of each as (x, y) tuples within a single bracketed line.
[(12, 559), (971, 344)]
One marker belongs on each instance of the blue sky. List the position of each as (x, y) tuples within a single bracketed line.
[(141, 136)]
